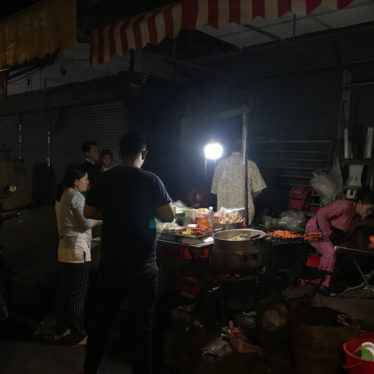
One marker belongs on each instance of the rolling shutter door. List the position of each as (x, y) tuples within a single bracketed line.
[(35, 145), (70, 127), (9, 138), (104, 123), (295, 120), (362, 113)]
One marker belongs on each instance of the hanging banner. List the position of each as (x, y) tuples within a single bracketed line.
[(37, 30)]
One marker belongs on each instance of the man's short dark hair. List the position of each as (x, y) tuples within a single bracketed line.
[(86, 146), (106, 152), (132, 143)]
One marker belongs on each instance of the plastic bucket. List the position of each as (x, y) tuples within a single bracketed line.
[(354, 364), (368, 335)]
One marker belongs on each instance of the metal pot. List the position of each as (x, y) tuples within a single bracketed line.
[(239, 256), (229, 226)]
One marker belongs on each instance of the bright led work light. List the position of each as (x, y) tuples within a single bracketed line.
[(213, 151)]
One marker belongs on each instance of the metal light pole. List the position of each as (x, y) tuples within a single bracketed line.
[(20, 136), (245, 160)]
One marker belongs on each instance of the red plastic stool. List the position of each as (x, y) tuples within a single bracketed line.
[(313, 261)]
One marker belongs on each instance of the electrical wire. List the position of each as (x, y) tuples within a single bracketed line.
[(25, 77), (23, 73)]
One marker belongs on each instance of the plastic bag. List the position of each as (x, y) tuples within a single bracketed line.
[(324, 186), (225, 211), (293, 220), (270, 222), (336, 176), (216, 350), (232, 215), (165, 226), (179, 206)]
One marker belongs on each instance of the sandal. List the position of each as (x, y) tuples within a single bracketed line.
[(73, 341), (83, 342), (325, 291), (58, 337)]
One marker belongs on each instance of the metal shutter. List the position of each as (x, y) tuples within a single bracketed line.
[(104, 123), (9, 137), (300, 107), (300, 113), (362, 113), (70, 127), (35, 145), (288, 163)]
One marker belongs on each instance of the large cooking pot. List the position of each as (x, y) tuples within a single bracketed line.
[(244, 256)]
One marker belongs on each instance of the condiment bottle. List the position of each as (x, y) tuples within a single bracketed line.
[(203, 220)]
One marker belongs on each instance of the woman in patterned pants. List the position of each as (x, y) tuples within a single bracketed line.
[(337, 221)]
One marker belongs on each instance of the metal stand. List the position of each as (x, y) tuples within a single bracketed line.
[(245, 161), (365, 278)]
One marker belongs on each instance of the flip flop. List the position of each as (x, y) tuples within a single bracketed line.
[(58, 337), (325, 291)]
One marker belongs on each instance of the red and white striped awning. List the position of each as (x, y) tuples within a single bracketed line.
[(152, 27)]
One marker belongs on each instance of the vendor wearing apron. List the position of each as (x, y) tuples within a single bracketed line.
[(336, 222)]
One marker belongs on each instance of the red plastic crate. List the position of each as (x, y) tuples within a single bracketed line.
[(185, 253), (189, 286)]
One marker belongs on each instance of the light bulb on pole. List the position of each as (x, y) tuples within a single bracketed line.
[(213, 151)]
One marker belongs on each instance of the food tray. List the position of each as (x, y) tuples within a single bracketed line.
[(179, 237), (281, 241), (186, 236)]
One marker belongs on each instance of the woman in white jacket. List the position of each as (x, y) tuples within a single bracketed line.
[(74, 255)]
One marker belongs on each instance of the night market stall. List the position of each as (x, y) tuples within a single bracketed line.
[(240, 282), (215, 259)]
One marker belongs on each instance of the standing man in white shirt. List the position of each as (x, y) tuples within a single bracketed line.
[(228, 182)]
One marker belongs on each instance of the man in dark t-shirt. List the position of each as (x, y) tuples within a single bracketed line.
[(127, 199)]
